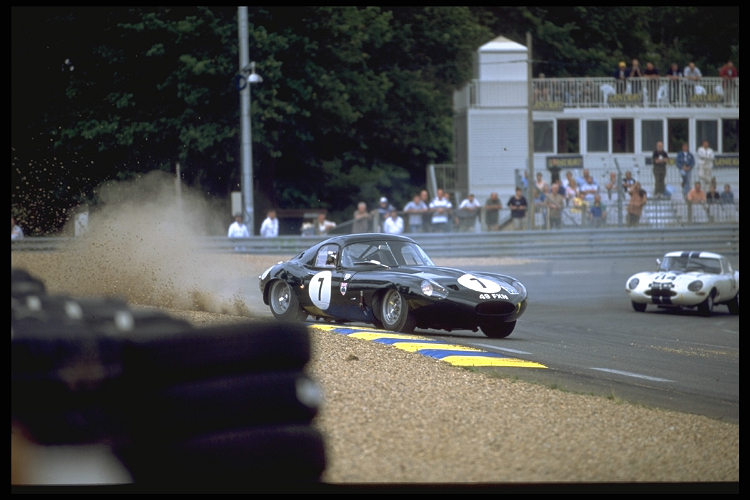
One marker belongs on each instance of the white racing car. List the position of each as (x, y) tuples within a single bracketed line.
[(687, 279)]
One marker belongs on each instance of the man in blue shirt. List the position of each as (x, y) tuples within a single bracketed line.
[(685, 162)]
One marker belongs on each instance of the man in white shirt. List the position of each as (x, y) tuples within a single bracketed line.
[(394, 223), (238, 229), (270, 226), (705, 163), (441, 208), (468, 210)]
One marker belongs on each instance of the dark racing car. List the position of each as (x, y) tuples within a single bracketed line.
[(389, 281)]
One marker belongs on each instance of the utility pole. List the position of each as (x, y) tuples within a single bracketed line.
[(246, 150), (530, 133)]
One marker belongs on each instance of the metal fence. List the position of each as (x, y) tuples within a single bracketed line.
[(555, 94), (569, 243)]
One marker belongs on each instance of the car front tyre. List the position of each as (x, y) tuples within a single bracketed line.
[(284, 303), (395, 314), (498, 330), (705, 307), (639, 307)]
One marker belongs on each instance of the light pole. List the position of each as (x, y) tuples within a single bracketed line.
[(245, 78)]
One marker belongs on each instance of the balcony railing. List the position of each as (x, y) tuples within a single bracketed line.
[(556, 94)]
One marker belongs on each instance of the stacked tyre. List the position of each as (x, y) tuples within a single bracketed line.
[(181, 407)]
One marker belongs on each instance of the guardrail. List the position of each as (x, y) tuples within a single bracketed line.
[(568, 243)]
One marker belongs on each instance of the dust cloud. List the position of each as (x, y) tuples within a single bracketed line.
[(145, 244)]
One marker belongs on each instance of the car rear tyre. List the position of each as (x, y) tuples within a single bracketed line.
[(498, 330), (284, 303), (734, 304), (395, 314), (707, 305), (639, 307)]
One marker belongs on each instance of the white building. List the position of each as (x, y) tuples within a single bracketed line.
[(581, 122)]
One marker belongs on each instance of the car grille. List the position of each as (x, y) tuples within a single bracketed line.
[(495, 308), (661, 290)]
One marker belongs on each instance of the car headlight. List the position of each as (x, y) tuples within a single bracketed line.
[(695, 286), (632, 284), (519, 287), (432, 289)]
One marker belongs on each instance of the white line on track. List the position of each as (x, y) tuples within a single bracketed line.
[(630, 374)]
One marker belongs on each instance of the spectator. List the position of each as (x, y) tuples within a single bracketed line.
[(697, 195), (597, 212), (674, 74), (652, 81), (712, 195), (571, 191), (589, 188), (611, 185), (705, 163), (362, 219), (638, 199), (621, 75), (441, 208), (492, 212), (659, 158), (468, 210), (581, 179), (238, 229), (635, 73), (692, 75), (540, 182), (627, 182), (394, 223), (415, 210), (269, 228), (16, 233), (727, 196), (323, 225), (685, 162), (383, 210), (517, 204), (729, 75), (427, 215), (555, 203), (554, 170)]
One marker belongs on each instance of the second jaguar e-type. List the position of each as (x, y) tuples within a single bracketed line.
[(389, 281)]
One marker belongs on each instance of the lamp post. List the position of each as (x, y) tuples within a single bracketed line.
[(246, 77)]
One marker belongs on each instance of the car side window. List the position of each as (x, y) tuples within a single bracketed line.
[(326, 256)]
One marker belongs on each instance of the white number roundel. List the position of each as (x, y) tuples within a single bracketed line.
[(320, 290), (479, 284)]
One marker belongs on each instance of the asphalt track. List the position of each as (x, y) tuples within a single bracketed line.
[(580, 333)]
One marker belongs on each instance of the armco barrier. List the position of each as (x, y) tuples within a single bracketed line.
[(568, 243)]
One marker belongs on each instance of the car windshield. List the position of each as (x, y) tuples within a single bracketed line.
[(389, 253), (687, 264)]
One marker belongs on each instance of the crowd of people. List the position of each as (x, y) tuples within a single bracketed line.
[(581, 194), (675, 84)]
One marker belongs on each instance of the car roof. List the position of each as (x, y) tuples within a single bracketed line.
[(346, 239), (693, 254)]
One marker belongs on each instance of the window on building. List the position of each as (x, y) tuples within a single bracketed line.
[(597, 136), (730, 135), (543, 134), (707, 130), (623, 135), (568, 137), (677, 134), (652, 131)]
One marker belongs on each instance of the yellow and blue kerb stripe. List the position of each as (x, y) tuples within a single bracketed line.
[(450, 353)]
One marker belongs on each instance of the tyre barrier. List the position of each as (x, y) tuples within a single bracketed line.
[(180, 407)]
